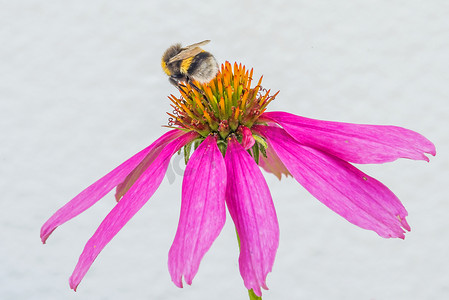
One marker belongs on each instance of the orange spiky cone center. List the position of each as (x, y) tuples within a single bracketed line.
[(222, 105)]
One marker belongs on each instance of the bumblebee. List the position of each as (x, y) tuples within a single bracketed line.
[(184, 64)]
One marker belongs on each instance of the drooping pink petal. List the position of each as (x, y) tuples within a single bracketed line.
[(127, 207), (123, 187), (251, 207), (101, 187), (357, 197), (272, 163), (355, 143), (247, 137), (203, 212)]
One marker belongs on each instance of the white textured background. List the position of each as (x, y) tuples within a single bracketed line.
[(81, 90)]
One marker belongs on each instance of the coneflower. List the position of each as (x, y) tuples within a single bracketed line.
[(227, 134)]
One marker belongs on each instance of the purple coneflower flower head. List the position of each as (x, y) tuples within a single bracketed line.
[(225, 123)]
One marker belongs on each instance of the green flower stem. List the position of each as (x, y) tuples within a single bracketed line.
[(252, 295)]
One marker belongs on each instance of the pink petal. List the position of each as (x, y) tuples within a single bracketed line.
[(123, 187), (127, 207), (354, 142), (203, 212), (272, 163), (247, 137), (96, 191), (251, 207), (357, 197)]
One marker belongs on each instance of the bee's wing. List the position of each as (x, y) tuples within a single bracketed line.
[(197, 44), (190, 52)]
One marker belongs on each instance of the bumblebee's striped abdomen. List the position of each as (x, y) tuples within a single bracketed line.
[(198, 60), (203, 67)]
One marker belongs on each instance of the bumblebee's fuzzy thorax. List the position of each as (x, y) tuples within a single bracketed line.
[(170, 68)]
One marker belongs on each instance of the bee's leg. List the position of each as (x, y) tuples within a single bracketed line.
[(195, 87), (176, 81), (173, 81)]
